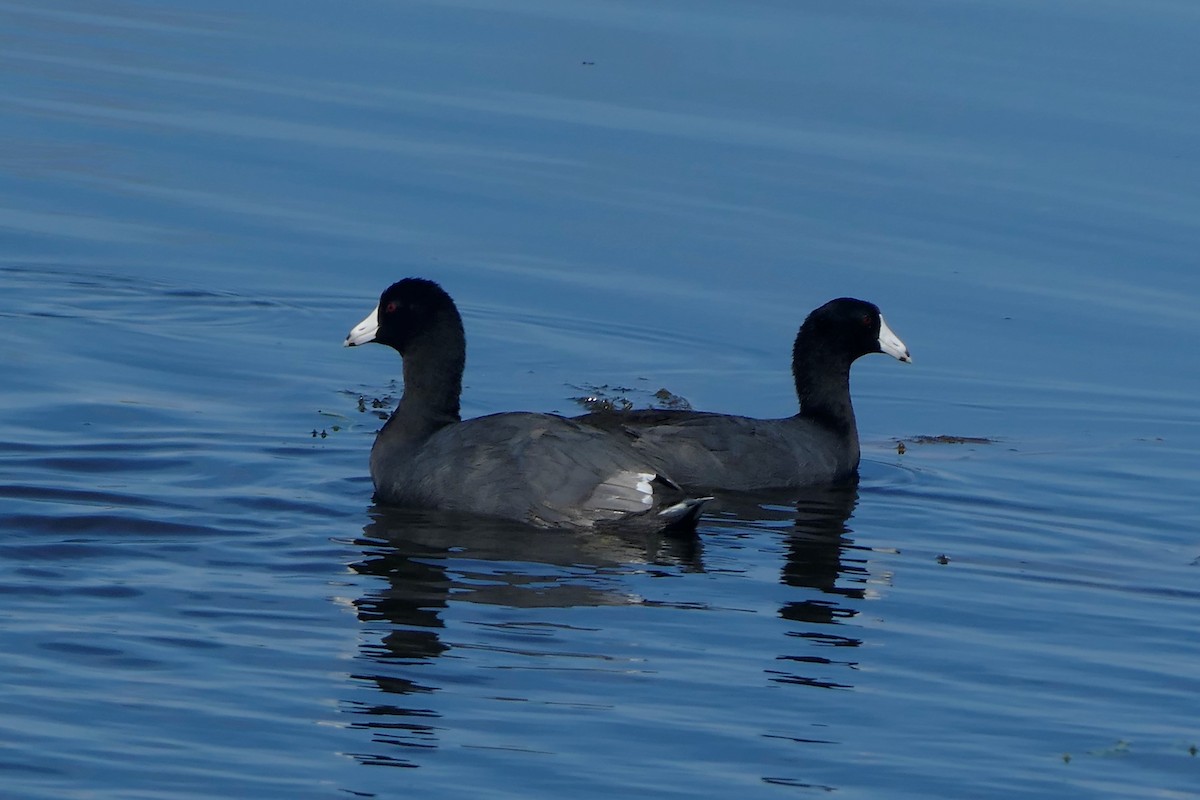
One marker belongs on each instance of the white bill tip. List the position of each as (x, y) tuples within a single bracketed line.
[(365, 331), (890, 343)]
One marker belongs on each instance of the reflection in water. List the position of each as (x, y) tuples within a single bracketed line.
[(818, 556), (427, 560)]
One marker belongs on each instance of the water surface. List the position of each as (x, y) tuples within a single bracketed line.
[(201, 599)]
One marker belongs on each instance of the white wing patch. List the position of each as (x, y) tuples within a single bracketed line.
[(644, 487), (624, 492)]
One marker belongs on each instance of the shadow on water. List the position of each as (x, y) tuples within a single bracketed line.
[(427, 562)]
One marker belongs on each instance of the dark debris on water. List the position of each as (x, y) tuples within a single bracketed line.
[(623, 398), (902, 444)]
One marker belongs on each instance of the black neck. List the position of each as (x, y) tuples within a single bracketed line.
[(823, 387), (433, 370)]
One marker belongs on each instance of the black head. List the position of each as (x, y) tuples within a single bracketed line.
[(847, 328), (407, 310)]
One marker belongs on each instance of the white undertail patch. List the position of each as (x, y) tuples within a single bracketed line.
[(683, 507)]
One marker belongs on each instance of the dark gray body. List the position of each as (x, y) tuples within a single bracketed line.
[(540, 468), (703, 451), (819, 446)]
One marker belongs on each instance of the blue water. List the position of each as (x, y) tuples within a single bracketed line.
[(200, 599)]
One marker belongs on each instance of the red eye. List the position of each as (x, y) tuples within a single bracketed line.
[(390, 308), (866, 321)]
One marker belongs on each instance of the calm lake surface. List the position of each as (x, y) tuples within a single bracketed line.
[(197, 201)]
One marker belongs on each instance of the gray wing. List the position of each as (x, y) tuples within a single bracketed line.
[(716, 451), (541, 468)]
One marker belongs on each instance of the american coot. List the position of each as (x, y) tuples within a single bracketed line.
[(538, 468), (819, 445)]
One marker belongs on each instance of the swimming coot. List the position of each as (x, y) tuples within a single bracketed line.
[(706, 451), (542, 469)]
